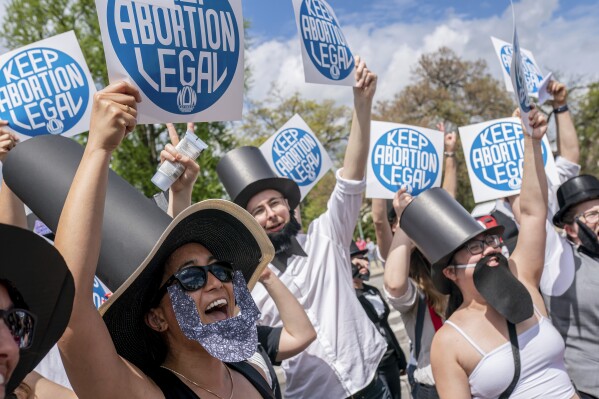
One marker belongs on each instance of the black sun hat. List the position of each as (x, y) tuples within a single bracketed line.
[(39, 274), (573, 192), (245, 172), (224, 228)]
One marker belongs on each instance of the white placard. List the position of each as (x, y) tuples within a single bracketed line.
[(326, 55), (494, 153), (46, 88), (403, 155), (186, 57), (295, 152), (532, 71), (518, 76)]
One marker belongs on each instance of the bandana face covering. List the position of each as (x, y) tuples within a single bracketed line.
[(588, 238), (502, 290), (231, 340)]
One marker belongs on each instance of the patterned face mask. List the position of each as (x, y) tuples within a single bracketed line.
[(231, 340)]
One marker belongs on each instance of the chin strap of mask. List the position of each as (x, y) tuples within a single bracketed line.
[(516, 353), (588, 239)]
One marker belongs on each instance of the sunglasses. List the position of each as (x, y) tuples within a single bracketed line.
[(192, 278), (21, 324)]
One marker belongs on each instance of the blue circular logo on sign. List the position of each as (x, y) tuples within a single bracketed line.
[(182, 58), (533, 76), (405, 157), (296, 154), (497, 154), (324, 41), (42, 91)]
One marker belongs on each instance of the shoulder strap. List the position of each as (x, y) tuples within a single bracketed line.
[(419, 325), (516, 353), (253, 376)]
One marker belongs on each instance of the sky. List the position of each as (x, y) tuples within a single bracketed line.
[(392, 34)]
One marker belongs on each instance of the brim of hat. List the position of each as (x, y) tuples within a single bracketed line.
[(358, 253), (40, 275), (557, 218), (224, 228), (441, 282), (284, 185)]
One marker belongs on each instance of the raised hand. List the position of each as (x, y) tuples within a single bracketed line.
[(192, 169), (366, 82), (559, 92), (8, 140), (401, 200)]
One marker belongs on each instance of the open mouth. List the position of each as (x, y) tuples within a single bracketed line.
[(217, 310), (2, 379), (493, 261), (276, 228)]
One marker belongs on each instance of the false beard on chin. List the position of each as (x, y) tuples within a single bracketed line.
[(281, 240), (502, 290)]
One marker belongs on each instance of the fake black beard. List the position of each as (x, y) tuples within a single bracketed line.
[(502, 290), (281, 240), (588, 239), (355, 271)]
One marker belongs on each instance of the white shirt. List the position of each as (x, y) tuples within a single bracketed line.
[(348, 348)]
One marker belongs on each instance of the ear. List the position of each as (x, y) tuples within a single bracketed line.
[(449, 272), (571, 231), (155, 320)]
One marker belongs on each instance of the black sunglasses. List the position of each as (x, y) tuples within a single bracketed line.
[(192, 278), (21, 324)]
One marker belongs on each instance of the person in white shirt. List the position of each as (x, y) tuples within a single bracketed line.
[(342, 362)]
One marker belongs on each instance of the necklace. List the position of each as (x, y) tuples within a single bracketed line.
[(201, 387)]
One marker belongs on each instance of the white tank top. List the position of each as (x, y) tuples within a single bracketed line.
[(543, 372)]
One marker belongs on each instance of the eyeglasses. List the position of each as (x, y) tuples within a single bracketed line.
[(591, 217), (192, 278), (260, 213), (476, 247), (21, 324)]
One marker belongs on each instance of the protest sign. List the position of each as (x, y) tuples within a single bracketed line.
[(494, 153), (517, 73), (46, 88), (295, 152), (185, 56), (402, 155), (325, 52), (532, 71)]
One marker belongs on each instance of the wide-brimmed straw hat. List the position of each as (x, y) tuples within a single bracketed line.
[(225, 229), (39, 275)]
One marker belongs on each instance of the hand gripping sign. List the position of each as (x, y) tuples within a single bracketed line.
[(402, 155), (494, 153), (46, 88), (325, 52), (295, 152), (185, 56)]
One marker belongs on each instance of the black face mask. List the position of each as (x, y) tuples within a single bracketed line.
[(355, 273), (588, 239), (502, 290), (281, 240)]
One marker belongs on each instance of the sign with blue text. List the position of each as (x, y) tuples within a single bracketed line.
[(403, 155), (185, 56), (494, 153), (46, 88), (326, 55), (295, 152), (530, 68)]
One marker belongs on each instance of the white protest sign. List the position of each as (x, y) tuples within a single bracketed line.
[(494, 153), (403, 155), (325, 52), (185, 56), (46, 88), (544, 94), (518, 76), (295, 152), (532, 71)]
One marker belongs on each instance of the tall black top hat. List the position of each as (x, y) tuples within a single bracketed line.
[(40, 172), (439, 226), (355, 251), (37, 271), (245, 172), (573, 192)]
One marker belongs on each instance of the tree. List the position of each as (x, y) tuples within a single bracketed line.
[(587, 127), (456, 92)]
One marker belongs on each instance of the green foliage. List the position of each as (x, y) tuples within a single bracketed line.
[(587, 127)]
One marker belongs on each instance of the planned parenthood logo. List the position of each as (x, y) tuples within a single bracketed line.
[(497, 154), (323, 40), (405, 157), (296, 154), (532, 74), (183, 58), (42, 91)]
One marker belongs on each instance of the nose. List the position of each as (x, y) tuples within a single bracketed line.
[(212, 283), (490, 250), (270, 213), (9, 350)]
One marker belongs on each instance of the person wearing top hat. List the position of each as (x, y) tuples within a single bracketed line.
[(342, 361), (573, 302), (36, 297), (171, 330), (497, 340)]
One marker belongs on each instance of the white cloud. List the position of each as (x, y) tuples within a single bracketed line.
[(563, 43)]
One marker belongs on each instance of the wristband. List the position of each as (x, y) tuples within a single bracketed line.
[(561, 109), (449, 154)]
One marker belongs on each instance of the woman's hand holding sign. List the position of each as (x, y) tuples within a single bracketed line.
[(537, 121), (8, 140), (401, 200)]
